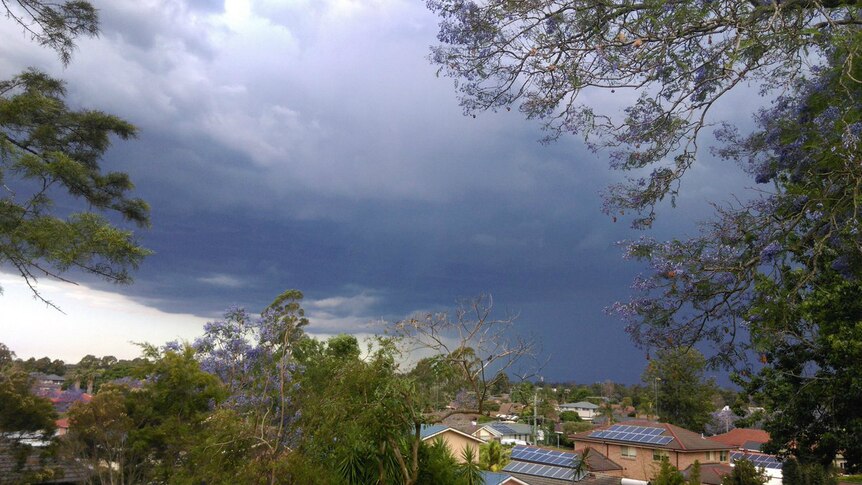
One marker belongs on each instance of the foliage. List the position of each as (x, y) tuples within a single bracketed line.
[(21, 412), (99, 432), (668, 475), (493, 456), (46, 149), (7, 357), (254, 358), (567, 416), (438, 464), (795, 473), (684, 397), (469, 470), (745, 473), (55, 25), (358, 413), (682, 56), (145, 434), (744, 284)]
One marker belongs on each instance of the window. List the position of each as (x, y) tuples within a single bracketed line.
[(716, 456), (659, 455), (628, 452)]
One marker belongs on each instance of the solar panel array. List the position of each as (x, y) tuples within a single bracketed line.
[(546, 457), (535, 469), (760, 461), (503, 428), (634, 434)]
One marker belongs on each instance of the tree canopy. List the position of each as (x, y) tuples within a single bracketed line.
[(751, 284), (49, 153)]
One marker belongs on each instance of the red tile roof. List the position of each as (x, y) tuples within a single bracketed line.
[(739, 436)]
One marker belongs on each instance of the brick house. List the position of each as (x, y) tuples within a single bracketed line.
[(639, 447)]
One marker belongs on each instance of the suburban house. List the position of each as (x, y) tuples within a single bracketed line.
[(457, 441), (505, 432), (747, 439), (540, 466), (640, 446), (747, 443), (586, 410)]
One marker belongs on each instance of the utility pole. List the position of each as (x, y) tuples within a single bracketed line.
[(535, 416), (655, 386)]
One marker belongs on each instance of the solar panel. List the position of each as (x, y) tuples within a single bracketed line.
[(760, 461), (634, 434), (547, 457), (538, 470), (503, 428)]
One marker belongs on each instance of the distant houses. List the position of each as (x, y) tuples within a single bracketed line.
[(586, 410)]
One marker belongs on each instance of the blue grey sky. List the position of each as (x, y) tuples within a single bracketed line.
[(310, 145)]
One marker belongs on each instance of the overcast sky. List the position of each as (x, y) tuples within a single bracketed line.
[(310, 145)]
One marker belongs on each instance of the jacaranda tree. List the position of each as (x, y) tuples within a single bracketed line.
[(755, 283)]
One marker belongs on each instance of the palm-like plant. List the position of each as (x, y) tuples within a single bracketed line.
[(580, 467), (469, 470)]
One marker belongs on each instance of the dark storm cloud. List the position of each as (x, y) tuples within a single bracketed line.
[(312, 147)]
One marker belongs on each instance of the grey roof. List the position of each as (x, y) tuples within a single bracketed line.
[(579, 405), (494, 478), (430, 430)]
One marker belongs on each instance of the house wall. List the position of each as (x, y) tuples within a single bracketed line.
[(458, 443), (642, 466)]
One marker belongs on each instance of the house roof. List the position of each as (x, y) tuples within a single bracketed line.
[(429, 431), (597, 462), (710, 473), (739, 437), (579, 405), (65, 471), (495, 478), (508, 429), (674, 437)]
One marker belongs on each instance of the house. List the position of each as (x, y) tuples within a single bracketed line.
[(505, 432), (748, 439), (640, 446), (46, 382), (457, 441), (63, 400), (541, 466), (710, 473), (586, 410), (31, 465), (747, 443)]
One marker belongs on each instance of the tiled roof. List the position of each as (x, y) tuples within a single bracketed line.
[(710, 473), (740, 436), (681, 438), (12, 471), (597, 462)]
